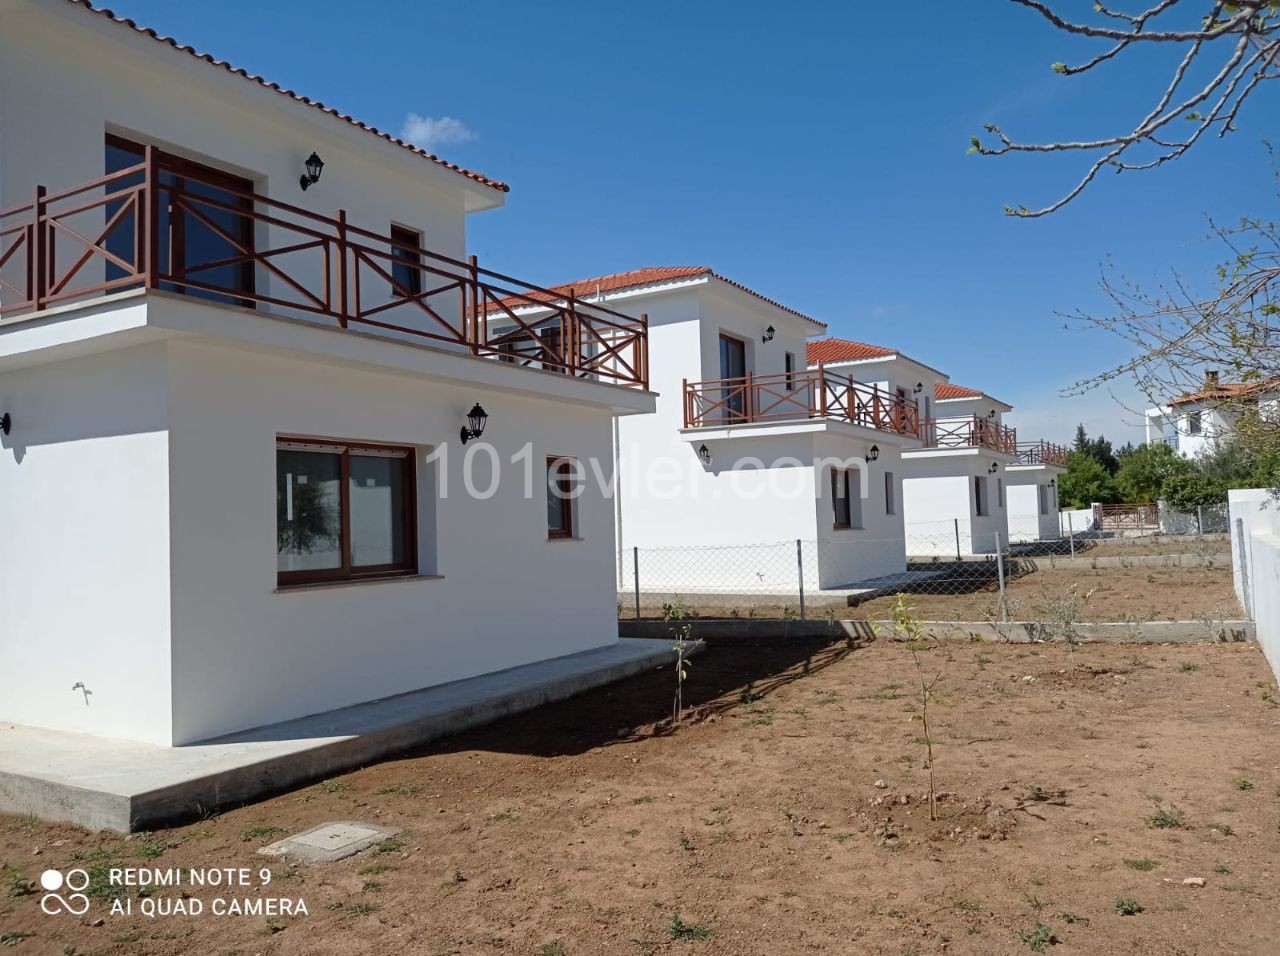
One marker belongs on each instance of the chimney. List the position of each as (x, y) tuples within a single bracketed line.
[(1211, 378)]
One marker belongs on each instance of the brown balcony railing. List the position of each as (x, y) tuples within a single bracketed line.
[(1041, 453), (974, 432), (132, 229), (797, 396)]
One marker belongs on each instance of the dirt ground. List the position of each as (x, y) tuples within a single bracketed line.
[(1156, 544), (788, 814), (1118, 594), (1088, 594)]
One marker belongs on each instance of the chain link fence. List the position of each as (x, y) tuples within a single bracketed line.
[(814, 578)]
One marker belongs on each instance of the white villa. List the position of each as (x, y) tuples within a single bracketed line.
[(748, 446), (957, 481), (241, 349), (1196, 422), (1031, 492)]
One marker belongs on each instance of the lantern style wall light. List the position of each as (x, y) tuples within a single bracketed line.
[(768, 335), (995, 466), (704, 455), (5, 423), (315, 165), (474, 428), (919, 387), (992, 414), (873, 453)]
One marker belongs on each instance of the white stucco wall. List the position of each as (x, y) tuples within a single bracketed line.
[(939, 492), (84, 508), (245, 654), (82, 76), (1024, 487), (1255, 560)]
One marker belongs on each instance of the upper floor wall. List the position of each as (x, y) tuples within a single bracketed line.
[(71, 76), (897, 375)]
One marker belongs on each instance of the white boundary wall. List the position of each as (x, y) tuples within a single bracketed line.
[(1255, 561)]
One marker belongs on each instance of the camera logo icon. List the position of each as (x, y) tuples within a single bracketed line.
[(72, 901)]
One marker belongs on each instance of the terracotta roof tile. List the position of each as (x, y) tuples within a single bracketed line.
[(945, 390), (1225, 391), (208, 58), (615, 282), (844, 350)]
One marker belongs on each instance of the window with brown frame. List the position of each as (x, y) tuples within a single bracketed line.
[(344, 511), (406, 261), (562, 489), (846, 506)]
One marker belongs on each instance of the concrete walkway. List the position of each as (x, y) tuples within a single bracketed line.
[(121, 785)]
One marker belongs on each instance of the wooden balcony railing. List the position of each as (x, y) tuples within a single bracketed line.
[(1041, 453), (797, 396), (158, 225), (974, 432)]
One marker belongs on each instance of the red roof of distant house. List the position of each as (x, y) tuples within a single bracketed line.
[(844, 350), (209, 58), (1225, 391), (617, 281), (945, 390)]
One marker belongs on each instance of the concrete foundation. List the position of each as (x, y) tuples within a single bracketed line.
[(105, 784)]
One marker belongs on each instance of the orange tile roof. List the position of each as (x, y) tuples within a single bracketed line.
[(945, 390), (1227, 390), (844, 350), (585, 288), (209, 58)]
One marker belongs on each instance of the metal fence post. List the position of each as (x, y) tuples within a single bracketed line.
[(635, 570), (1071, 535), (800, 572), (957, 520), (1199, 520), (1244, 569), (1004, 603)]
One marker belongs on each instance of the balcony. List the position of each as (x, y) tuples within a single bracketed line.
[(1042, 453), (160, 225), (794, 397), (972, 432)]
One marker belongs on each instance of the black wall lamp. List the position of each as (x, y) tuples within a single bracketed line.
[(1053, 482), (873, 453), (768, 335), (992, 414), (474, 427), (5, 423), (315, 165), (995, 466), (704, 455), (919, 387)]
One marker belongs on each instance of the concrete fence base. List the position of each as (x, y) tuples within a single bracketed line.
[(1055, 562), (747, 630)]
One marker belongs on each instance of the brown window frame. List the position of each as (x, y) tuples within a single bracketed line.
[(410, 259), (840, 476), (241, 190), (409, 519), (789, 367), (561, 464)]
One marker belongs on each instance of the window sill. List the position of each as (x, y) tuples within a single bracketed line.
[(355, 583), (564, 537)]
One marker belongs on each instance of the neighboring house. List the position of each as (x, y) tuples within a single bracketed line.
[(1031, 491), (1195, 423), (748, 446), (954, 480), (232, 489)]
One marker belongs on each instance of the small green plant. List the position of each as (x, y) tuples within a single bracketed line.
[(1143, 865), (14, 937), (1127, 906), (399, 790), (964, 906), (686, 843), (1039, 938), (675, 614), (260, 832), (390, 845), (1221, 868), (643, 798), (679, 929), (335, 786), (371, 886), (553, 949), (1224, 828), (457, 878), (1167, 818), (1243, 784), (505, 816), (373, 869), (1187, 667), (360, 909), (1072, 918)]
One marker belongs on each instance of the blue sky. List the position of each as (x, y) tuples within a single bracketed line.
[(815, 152)]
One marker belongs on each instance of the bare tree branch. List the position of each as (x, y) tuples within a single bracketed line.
[(1249, 31)]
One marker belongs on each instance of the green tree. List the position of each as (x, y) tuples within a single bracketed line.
[(1189, 490), (1099, 449), (1085, 482), (1144, 473)]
